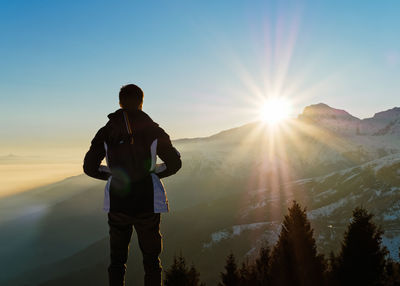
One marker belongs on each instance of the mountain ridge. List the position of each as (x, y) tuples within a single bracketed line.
[(309, 113), (343, 122)]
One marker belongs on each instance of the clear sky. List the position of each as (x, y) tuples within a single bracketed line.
[(203, 65)]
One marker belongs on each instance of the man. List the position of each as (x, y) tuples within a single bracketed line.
[(134, 194)]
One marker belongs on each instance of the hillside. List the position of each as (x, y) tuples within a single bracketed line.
[(231, 193)]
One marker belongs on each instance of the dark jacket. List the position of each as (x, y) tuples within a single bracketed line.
[(131, 142)]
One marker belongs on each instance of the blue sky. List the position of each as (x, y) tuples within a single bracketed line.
[(201, 64)]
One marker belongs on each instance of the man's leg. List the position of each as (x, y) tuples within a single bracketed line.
[(120, 236), (148, 231)]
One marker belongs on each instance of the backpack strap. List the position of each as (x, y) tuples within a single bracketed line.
[(128, 126)]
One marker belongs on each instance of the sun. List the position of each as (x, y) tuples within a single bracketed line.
[(275, 110)]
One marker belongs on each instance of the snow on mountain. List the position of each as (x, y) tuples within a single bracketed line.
[(330, 200), (239, 229)]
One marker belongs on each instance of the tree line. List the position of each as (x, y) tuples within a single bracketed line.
[(294, 260)]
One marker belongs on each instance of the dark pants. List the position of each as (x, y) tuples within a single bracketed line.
[(147, 227)]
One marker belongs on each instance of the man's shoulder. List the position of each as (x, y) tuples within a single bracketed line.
[(100, 136), (151, 126)]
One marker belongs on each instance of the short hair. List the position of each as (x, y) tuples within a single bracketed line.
[(130, 96)]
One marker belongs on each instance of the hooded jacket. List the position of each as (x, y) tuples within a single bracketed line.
[(131, 142)]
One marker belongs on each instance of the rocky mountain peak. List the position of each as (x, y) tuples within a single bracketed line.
[(389, 114), (323, 111), (382, 123)]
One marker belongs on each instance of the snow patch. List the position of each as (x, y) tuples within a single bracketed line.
[(233, 231), (326, 193), (393, 213), (256, 206), (326, 210), (392, 242), (351, 177), (392, 191), (391, 217), (383, 162)]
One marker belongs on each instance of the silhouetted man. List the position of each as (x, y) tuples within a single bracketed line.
[(134, 194)]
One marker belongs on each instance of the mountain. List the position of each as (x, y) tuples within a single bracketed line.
[(49, 223), (386, 122), (382, 123), (334, 119), (231, 194)]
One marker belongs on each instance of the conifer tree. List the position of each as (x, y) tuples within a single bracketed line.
[(392, 273), (231, 275), (294, 259), (194, 277), (247, 274), (262, 265), (330, 271), (361, 260), (180, 275)]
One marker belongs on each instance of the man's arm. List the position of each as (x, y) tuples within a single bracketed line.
[(168, 154), (93, 158)]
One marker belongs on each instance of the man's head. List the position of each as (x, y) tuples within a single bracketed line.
[(131, 97)]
